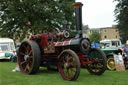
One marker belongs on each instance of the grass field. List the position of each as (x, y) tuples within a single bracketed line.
[(45, 77)]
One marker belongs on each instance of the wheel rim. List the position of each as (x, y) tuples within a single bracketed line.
[(67, 66), (25, 58), (98, 60), (111, 64)]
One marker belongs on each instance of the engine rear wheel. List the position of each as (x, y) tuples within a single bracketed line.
[(98, 59), (69, 65), (29, 57)]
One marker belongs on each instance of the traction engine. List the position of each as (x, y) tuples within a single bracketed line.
[(57, 50)]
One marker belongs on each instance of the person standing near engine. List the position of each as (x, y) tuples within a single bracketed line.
[(125, 49)]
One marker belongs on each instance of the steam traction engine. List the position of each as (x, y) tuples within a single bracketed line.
[(56, 50)]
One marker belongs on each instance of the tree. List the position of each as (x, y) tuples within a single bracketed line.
[(85, 28), (121, 13), (18, 17), (95, 37)]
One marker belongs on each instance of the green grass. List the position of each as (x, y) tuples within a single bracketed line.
[(45, 77)]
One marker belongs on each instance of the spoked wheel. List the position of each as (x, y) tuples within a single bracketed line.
[(29, 57), (111, 63), (98, 62), (69, 65)]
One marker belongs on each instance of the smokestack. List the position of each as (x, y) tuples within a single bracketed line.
[(78, 14)]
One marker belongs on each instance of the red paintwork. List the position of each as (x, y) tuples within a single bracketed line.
[(84, 60), (127, 63), (78, 5), (44, 41), (64, 43)]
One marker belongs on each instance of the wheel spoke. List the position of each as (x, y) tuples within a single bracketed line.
[(30, 61), (67, 72), (30, 52), (27, 68), (100, 61), (69, 58), (30, 57), (27, 49), (23, 62), (72, 64), (96, 69), (22, 53), (72, 70), (92, 54), (24, 46), (64, 61)]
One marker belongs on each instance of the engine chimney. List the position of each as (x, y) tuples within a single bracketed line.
[(78, 14)]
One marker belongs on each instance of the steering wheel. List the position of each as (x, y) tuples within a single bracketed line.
[(53, 32)]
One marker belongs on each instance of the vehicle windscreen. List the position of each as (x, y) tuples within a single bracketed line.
[(103, 45), (11, 46), (4, 46), (116, 43)]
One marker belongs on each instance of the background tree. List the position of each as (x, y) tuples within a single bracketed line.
[(121, 13), (85, 28), (18, 17), (95, 37)]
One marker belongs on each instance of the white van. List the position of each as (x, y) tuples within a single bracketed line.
[(7, 46), (111, 44)]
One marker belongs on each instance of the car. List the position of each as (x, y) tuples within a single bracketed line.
[(110, 48), (7, 48), (110, 44)]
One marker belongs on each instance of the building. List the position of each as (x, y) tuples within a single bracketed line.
[(109, 33), (106, 32)]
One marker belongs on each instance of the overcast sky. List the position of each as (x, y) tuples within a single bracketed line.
[(98, 13)]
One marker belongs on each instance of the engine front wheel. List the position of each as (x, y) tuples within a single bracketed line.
[(69, 65), (29, 57)]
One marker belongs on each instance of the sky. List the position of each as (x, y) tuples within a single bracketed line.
[(98, 13)]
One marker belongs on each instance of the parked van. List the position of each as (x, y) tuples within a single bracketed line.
[(112, 44), (110, 48), (7, 48)]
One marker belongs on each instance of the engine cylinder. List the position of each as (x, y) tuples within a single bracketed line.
[(80, 45)]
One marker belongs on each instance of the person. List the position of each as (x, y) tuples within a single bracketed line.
[(95, 45), (16, 69), (125, 49)]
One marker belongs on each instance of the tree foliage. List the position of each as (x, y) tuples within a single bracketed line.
[(18, 17), (121, 13), (95, 37), (85, 28)]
